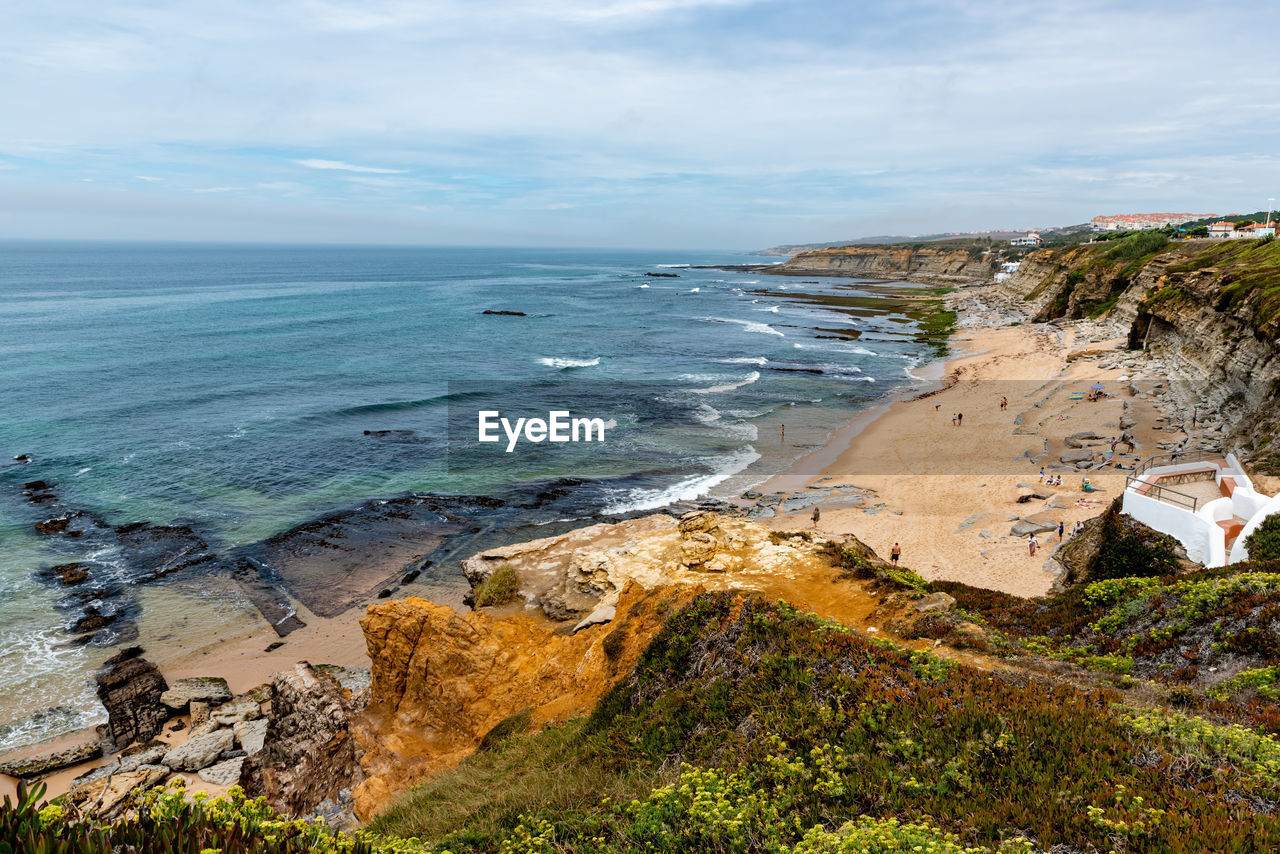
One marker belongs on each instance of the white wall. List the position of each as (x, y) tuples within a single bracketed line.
[(1204, 541), (1238, 550)]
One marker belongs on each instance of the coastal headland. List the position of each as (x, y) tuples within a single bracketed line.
[(1046, 392)]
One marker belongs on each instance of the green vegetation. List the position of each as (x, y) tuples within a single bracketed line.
[(498, 589), (1264, 542), (168, 820), (749, 727), (859, 566), (1126, 554)]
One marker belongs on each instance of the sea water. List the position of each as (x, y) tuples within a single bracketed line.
[(244, 389)]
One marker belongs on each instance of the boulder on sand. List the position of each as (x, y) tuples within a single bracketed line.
[(1080, 455), (131, 687), (224, 773), (211, 689), (1026, 527), (200, 751)]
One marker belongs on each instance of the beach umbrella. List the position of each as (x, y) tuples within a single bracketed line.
[(1097, 385)]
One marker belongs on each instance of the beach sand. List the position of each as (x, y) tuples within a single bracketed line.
[(947, 494)]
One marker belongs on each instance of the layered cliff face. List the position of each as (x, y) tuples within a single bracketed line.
[(1213, 307), (915, 263)]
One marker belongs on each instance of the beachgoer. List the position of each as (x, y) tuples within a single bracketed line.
[(784, 432), (1114, 442), (1042, 474), (895, 553), (1078, 528), (1062, 527), (817, 514), (1004, 403), (1194, 413), (937, 406), (953, 419), (1032, 545), (959, 419), (1085, 486)]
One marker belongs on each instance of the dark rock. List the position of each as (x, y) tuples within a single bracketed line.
[(234, 753), (663, 275), (178, 726), (56, 525), (71, 573), (505, 313), (273, 646), (22, 458), (92, 620), (130, 687), (309, 754), (410, 577), (37, 485), (384, 593)]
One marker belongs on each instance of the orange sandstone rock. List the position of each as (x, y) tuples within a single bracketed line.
[(442, 680)]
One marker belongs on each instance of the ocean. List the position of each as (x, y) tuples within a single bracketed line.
[(242, 390)]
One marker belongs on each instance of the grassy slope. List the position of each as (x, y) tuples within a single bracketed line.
[(784, 723)]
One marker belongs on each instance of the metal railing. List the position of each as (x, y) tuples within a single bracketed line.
[(1166, 493)]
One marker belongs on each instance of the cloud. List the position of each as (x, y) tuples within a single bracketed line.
[(312, 163), (149, 179)]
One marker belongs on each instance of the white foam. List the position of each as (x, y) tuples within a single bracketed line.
[(85, 469), (719, 389), (773, 309), (744, 360), (673, 265), (694, 290), (686, 490), (562, 364), (749, 325), (644, 286)]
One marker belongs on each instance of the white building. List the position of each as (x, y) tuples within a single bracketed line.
[(1203, 499), (1222, 229), (1032, 238)]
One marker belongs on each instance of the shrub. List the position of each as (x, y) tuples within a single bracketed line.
[(1264, 542), (498, 589)]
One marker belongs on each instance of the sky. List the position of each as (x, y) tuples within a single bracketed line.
[(704, 124)]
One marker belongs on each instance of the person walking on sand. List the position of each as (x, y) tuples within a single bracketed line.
[(953, 419), (784, 432), (895, 553), (817, 514), (1042, 474), (1004, 403), (959, 419), (1032, 545), (1062, 529)]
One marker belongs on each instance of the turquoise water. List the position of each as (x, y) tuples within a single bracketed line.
[(231, 387)]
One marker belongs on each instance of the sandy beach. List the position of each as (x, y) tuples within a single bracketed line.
[(947, 493)]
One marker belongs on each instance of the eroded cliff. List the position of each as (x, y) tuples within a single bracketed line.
[(1212, 307), (922, 263)]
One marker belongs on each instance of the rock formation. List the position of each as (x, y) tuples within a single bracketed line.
[(309, 755), (572, 575), (130, 687), (442, 680), (918, 264)]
